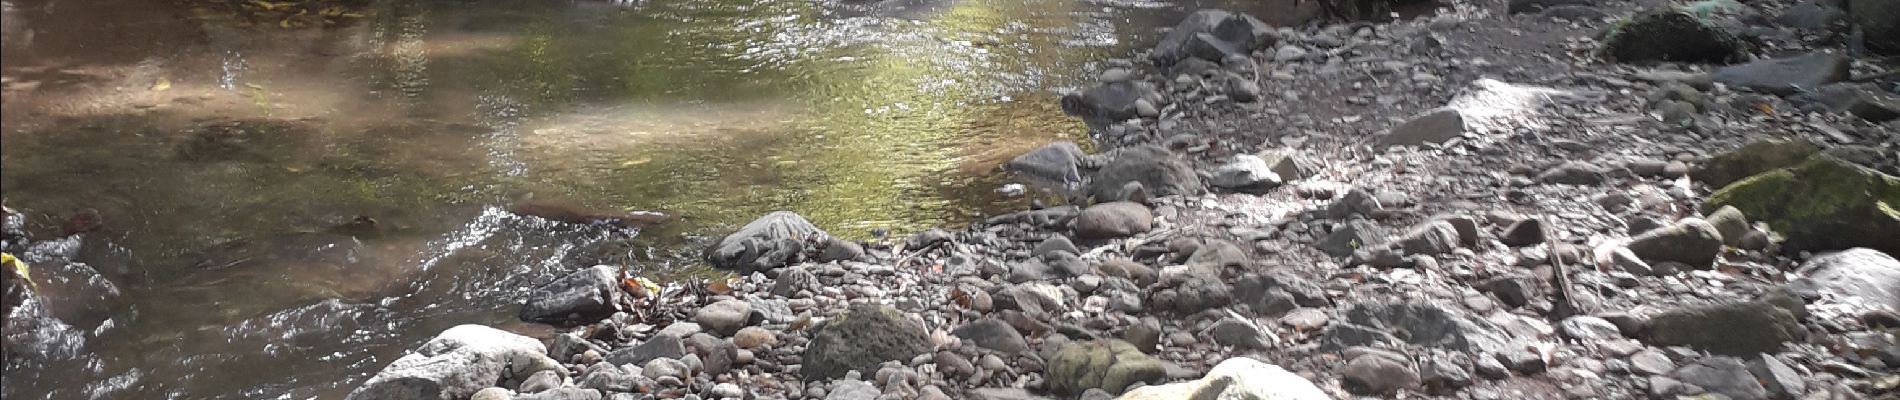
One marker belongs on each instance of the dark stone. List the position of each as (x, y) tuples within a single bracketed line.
[(1212, 35), (1055, 165), (1527, 232), (1671, 35), (1691, 241), (993, 334), (1110, 102), (1157, 170), (862, 338), (1199, 289), (581, 297), (1513, 291), (1727, 328)]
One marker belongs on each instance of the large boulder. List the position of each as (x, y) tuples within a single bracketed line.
[(1753, 158), (1877, 23), (1112, 101), (1055, 165), (1823, 204), (1864, 275), (1671, 35), (1212, 35), (456, 364), (1690, 241), (1422, 324), (1739, 328), (772, 241), (860, 339), (1431, 127), (1106, 364), (581, 297), (1238, 378), (1157, 170), (1784, 76)]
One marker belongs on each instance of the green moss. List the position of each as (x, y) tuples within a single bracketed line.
[(1822, 204)]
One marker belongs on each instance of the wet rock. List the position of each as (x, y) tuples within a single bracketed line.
[(1158, 171), (1822, 204), (1671, 35), (456, 364), (1753, 158), (772, 241), (1110, 102), (1237, 378), (1864, 275), (862, 338), (1573, 173), (1741, 328), (1113, 220), (1245, 173), (993, 334), (724, 317), (1722, 375), (1212, 35), (1055, 165), (1527, 232), (1107, 364), (1588, 328), (660, 346), (1781, 381), (580, 297), (1783, 76), (1690, 241), (1377, 375), (927, 238), (1351, 236), (1433, 127), (1423, 324)]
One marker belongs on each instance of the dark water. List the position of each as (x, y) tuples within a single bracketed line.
[(221, 144)]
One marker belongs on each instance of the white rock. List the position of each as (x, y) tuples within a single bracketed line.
[(456, 364), (1236, 379)]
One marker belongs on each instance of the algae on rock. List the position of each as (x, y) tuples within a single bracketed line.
[(1822, 204)]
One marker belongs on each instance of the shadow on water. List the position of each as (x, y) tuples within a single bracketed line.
[(287, 199)]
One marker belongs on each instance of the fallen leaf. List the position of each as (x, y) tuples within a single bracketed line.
[(162, 85)]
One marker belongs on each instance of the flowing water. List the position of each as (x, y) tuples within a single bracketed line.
[(214, 153)]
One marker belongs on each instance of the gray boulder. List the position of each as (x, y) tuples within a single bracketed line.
[(724, 317), (1376, 374), (1690, 241), (1157, 170), (1430, 238), (862, 338), (1055, 165), (993, 334), (1671, 35), (1431, 127), (1784, 76), (1864, 275), (770, 242), (1212, 35), (581, 297), (456, 364), (1742, 328)]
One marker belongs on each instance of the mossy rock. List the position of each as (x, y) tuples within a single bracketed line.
[(1107, 364), (1671, 35), (1753, 158), (1822, 204), (861, 339)]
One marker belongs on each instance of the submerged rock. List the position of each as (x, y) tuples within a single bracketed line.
[(1055, 165), (1823, 204), (772, 241), (1671, 36), (581, 297), (1238, 378), (456, 364), (862, 338), (1111, 102)]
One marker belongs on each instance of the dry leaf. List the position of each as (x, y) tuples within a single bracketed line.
[(162, 85)]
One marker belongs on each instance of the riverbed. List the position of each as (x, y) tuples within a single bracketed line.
[(225, 157)]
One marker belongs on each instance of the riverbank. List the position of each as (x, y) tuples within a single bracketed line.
[(1474, 204)]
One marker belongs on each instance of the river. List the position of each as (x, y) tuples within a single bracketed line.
[(216, 153)]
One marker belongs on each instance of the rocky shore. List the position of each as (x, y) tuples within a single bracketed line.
[(1531, 199)]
